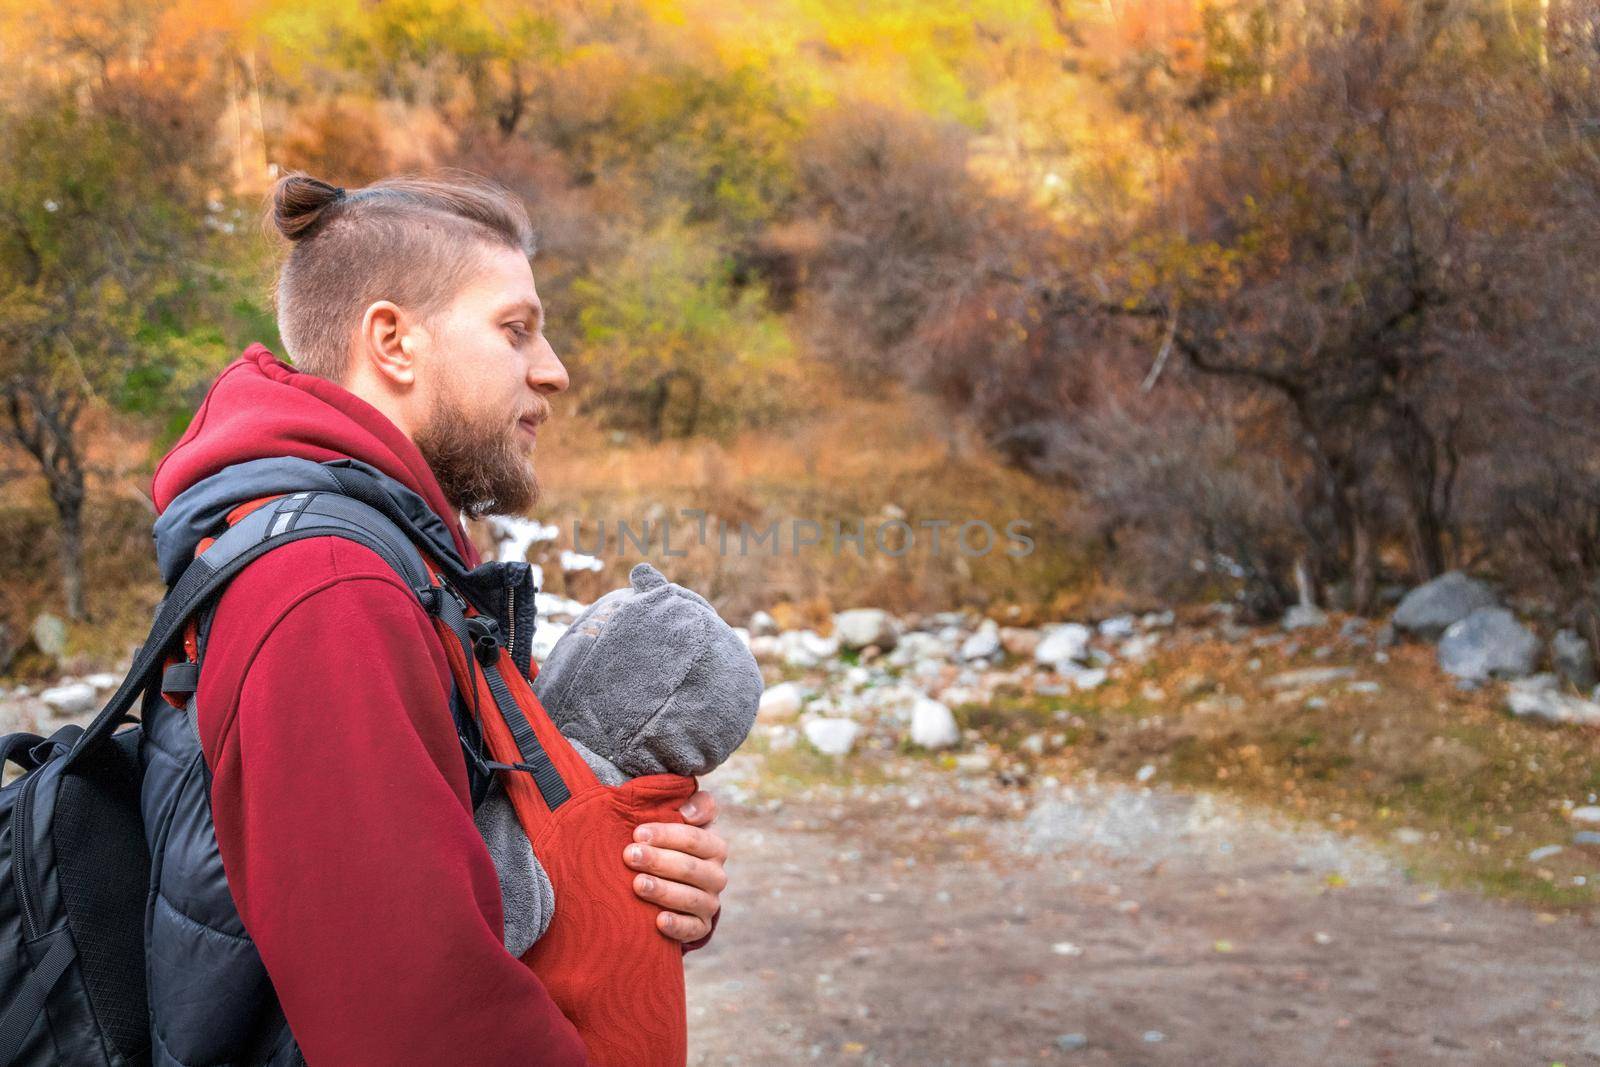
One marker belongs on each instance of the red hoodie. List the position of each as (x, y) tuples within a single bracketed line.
[(339, 794)]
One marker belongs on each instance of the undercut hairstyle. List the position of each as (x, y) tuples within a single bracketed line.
[(411, 239)]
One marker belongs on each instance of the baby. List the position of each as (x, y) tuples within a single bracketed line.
[(648, 680)]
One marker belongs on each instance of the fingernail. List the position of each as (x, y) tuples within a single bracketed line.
[(642, 833), (647, 884), (635, 853), (690, 810)]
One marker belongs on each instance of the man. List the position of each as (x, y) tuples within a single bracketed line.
[(339, 801)]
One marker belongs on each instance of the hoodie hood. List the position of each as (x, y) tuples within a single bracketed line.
[(266, 428)]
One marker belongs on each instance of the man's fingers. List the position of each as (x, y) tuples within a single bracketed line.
[(696, 841), (680, 869), (682, 927), (699, 809), (675, 866), (675, 896)]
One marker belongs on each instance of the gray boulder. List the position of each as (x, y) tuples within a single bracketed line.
[(1433, 607), (1489, 643), (1573, 659)]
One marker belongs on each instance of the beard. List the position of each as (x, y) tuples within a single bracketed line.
[(482, 466)]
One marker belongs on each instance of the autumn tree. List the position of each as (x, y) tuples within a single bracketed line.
[(103, 266), (1348, 237)]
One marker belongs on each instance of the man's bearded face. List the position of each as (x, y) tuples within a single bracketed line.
[(482, 459)]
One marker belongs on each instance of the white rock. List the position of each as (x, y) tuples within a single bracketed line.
[(1063, 643), (1084, 679), (1139, 647), (104, 681), (780, 703), (1589, 814), (860, 627), (73, 698), (806, 648), (1121, 626), (834, 737), (984, 644), (933, 726), (763, 625), (917, 646)]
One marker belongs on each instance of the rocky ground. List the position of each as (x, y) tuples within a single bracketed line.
[(1146, 840), (931, 919)]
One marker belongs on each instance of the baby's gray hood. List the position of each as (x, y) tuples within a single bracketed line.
[(653, 679)]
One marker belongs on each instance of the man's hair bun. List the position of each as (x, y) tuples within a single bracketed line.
[(300, 201)]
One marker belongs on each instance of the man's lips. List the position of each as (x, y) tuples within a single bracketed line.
[(530, 425)]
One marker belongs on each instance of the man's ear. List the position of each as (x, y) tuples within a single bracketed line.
[(389, 342)]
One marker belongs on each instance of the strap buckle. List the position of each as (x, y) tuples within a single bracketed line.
[(485, 634)]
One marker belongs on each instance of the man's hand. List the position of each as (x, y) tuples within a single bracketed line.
[(680, 867)]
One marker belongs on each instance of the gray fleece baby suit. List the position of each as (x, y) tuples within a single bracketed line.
[(648, 680)]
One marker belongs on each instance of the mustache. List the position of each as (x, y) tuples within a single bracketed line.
[(537, 414)]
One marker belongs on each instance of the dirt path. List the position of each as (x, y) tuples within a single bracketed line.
[(949, 920)]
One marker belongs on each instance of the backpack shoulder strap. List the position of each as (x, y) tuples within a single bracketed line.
[(293, 517)]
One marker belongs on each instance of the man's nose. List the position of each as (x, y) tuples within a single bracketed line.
[(547, 373)]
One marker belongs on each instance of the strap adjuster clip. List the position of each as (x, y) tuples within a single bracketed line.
[(485, 634)]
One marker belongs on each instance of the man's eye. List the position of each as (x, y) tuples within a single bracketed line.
[(516, 328)]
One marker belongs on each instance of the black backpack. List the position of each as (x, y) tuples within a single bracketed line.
[(74, 864)]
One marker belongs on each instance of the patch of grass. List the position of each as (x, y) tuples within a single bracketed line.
[(792, 768), (1480, 788)]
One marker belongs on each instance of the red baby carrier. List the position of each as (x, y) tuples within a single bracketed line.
[(612, 972)]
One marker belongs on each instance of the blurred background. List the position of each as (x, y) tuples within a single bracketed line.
[(1273, 322)]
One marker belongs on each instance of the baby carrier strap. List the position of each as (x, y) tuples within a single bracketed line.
[(517, 730)]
